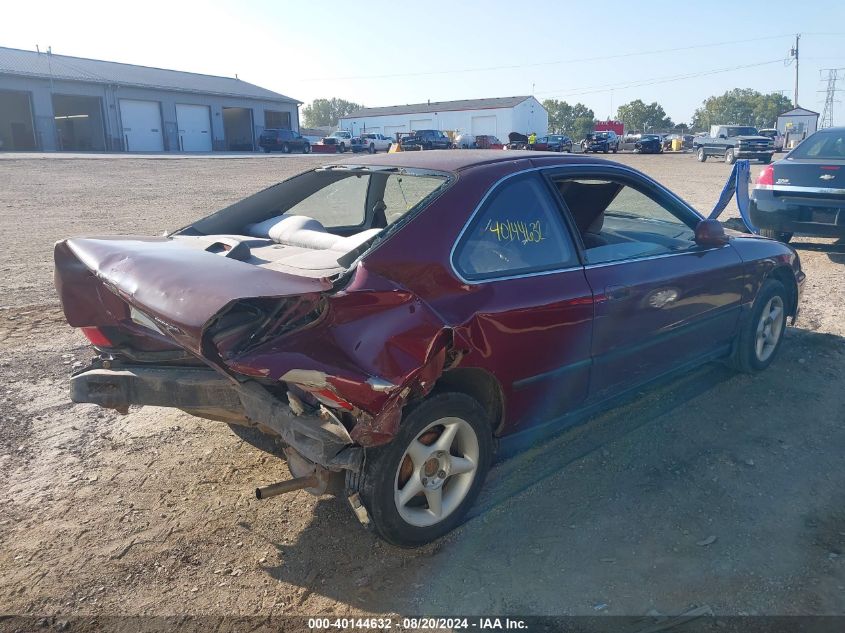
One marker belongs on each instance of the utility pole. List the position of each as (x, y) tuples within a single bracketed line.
[(794, 53), (830, 97)]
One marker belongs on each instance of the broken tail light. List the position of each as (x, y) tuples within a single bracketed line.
[(97, 337), (329, 398)]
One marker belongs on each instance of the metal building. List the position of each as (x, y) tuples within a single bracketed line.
[(55, 102), (797, 124), (497, 117)]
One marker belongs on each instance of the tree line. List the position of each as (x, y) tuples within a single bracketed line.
[(742, 106)]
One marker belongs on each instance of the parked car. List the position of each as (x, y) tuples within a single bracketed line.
[(772, 133), (342, 139), (487, 141), (427, 139), (285, 141), (804, 192), (517, 141), (375, 142), (605, 141), (649, 144), (465, 140), (731, 142), (552, 143), (311, 312)]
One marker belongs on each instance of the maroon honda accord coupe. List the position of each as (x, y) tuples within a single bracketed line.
[(391, 319)]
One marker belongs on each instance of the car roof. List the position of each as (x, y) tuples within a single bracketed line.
[(454, 160)]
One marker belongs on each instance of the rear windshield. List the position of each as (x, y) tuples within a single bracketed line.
[(829, 144), (601, 135)]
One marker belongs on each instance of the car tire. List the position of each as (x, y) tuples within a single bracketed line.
[(285, 148), (780, 236), (766, 159), (266, 150), (730, 156), (702, 156), (412, 521), (306, 149), (615, 149), (372, 148), (342, 148), (760, 337)]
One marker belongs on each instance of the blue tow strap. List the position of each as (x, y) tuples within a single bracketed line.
[(737, 184)]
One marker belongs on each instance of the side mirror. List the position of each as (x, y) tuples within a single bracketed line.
[(710, 233)]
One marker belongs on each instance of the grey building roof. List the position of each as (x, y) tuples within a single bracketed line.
[(23, 63), (440, 106)]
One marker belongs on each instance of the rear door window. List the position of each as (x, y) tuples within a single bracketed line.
[(519, 230)]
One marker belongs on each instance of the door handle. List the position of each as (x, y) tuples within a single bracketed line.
[(617, 293)]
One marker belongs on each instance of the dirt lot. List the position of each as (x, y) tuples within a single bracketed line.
[(716, 489)]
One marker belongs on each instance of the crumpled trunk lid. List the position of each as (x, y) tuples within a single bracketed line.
[(181, 287)]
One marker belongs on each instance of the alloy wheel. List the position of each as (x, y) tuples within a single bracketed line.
[(769, 329), (436, 472)]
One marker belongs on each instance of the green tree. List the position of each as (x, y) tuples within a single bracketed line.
[(321, 112), (742, 106), (639, 116), (574, 120)]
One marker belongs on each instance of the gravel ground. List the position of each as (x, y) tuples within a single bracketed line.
[(714, 489)]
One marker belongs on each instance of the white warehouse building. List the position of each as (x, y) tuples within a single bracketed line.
[(496, 117)]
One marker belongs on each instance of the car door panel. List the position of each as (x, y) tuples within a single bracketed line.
[(654, 315), (662, 301)]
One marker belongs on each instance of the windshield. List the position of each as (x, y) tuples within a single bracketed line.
[(828, 144), (601, 136), (742, 131)]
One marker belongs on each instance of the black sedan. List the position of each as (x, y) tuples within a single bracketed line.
[(803, 192), (649, 144), (552, 143)]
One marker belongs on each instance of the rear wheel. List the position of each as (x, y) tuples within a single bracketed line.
[(730, 156), (760, 337), (342, 148), (780, 236), (615, 148), (372, 148), (419, 487), (285, 149), (266, 150), (306, 149), (702, 157)]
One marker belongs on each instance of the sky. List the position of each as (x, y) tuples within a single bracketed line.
[(602, 53)]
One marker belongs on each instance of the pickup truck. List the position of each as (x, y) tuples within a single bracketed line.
[(342, 139), (373, 143), (731, 142)]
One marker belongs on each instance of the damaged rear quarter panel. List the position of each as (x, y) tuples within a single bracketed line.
[(377, 344)]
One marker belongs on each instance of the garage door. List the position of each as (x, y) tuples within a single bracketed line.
[(194, 127), (484, 125), (390, 131), (141, 125), (422, 124)]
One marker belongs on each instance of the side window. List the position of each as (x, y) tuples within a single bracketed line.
[(401, 193), (617, 221), (519, 230), (340, 203)]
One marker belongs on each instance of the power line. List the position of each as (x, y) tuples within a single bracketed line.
[(550, 63), (660, 80)]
